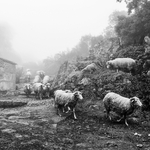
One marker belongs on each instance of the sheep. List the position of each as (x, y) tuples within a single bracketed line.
[(46, 90), (46, 82), (67, 99), (37, 79), (28, 89), (124, 64), (41, 73), (90, 68), (121, 105), (38, 90), (66, 91), (46, 79)]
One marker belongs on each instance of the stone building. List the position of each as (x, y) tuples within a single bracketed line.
[(7, 75)]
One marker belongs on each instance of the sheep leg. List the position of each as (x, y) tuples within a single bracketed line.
[(125, 120), (108, 115), (35, 95), (58, 111), (40, 96), (75, 117), (120, 119), (68, 109)]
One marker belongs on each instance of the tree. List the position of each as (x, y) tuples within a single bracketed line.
[(134, 4), (132, 29)]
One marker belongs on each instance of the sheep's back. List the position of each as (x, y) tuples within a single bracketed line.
[(113, 100), (46, 79), (37, 79), (63, 98), (123, 61)]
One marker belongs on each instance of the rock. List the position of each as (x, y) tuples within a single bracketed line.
[(139, 145), (137, 134), (18, 136), (11, 103), (54, 126), (81, 145), (67, 141), (111, 144), (8, 130)]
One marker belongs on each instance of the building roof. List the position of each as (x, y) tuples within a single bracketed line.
[(8, 61)]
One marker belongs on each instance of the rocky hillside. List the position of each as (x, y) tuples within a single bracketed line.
[(96, 83)]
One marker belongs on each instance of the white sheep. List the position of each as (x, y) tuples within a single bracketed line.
[(28, 89), (121, 105), (46, 82), (46, 90), (67, 99), (90, 68), (123, 64), (46, 79), (38, 90)]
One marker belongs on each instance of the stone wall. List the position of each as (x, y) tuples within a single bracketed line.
[(7, 75)]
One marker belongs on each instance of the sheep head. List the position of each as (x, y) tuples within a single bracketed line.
[(135, 101), (78, 95)]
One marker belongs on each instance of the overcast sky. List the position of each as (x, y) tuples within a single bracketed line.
[(42, 28)]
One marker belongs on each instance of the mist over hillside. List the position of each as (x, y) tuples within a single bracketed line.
[(6, 48)]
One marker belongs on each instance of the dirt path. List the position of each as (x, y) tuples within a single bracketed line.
[(37, 127)]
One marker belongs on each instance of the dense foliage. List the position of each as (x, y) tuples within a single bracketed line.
[(132, 29)]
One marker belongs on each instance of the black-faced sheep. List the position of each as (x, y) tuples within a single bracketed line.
[(38, 90), (123, 64), (90, 68), (67, 99), (28, 89), (121, 105)]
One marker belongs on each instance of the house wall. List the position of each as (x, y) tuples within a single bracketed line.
[(7, 76)]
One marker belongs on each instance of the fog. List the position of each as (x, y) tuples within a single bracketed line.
[(6, 50), (31, 30)]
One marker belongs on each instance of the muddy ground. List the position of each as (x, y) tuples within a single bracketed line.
[(36, 126)]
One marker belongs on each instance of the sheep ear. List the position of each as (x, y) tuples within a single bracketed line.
[(132, 100)]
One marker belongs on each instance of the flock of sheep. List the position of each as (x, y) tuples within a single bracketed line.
[(40, 86), (66, 100)]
